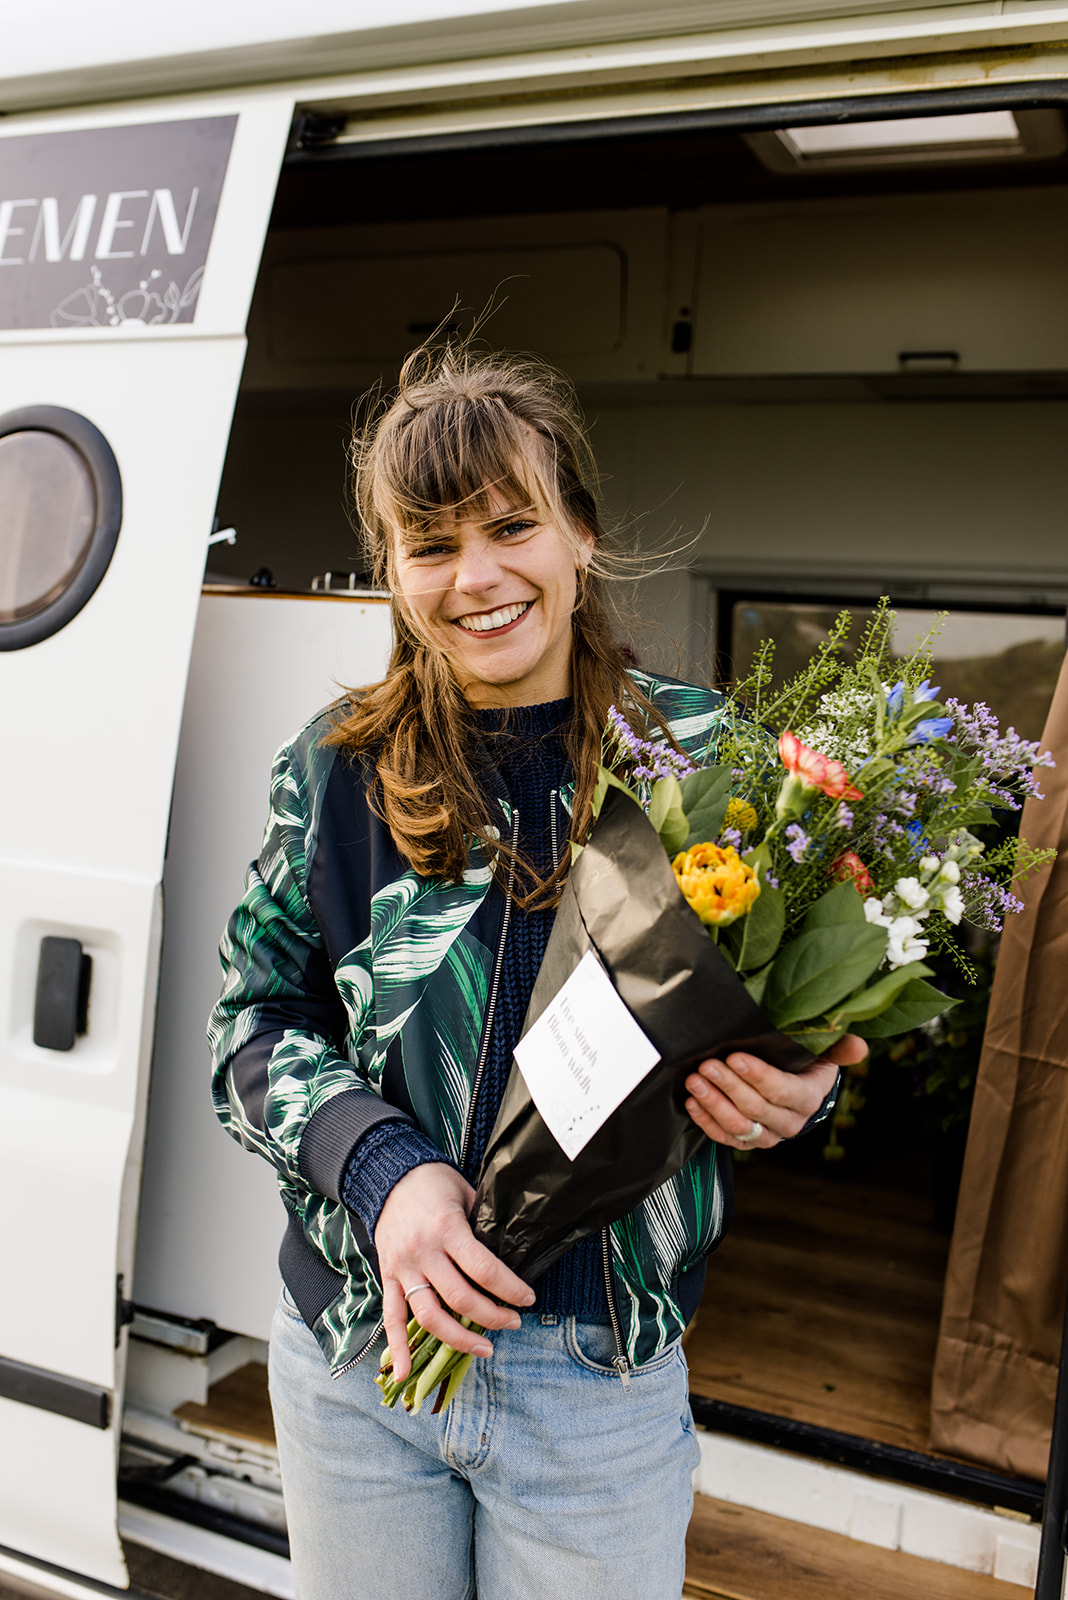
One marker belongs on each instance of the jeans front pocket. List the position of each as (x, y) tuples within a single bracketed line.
[(592, 1345), (289, 1306)]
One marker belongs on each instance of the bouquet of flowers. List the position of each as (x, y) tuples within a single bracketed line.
[(770, 896)]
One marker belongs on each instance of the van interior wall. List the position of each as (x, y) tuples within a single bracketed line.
[(891, 492), (755, 352)]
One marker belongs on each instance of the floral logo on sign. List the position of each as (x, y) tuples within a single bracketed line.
[(95, 306)]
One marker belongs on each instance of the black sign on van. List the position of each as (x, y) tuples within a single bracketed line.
[(107, 226)]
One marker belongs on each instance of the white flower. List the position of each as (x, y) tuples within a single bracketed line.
[(950, 872), (903, 945), (951, 903), (913, 893), (873, 910), (930, 864)]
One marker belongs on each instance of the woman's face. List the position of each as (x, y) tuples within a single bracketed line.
[(495, 598)]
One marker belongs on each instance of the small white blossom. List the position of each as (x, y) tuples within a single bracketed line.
[(913, 893), (950, 872), (930, 864), (903, 946), (873, 910), (950, 902)]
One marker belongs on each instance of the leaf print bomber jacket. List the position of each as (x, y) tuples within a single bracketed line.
[(355, 993)]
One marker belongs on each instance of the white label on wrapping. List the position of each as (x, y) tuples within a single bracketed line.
[(583, 1056)]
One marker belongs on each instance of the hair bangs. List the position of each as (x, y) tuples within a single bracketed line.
[(459, 461)]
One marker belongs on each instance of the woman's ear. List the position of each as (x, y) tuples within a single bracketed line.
[(584, 554)]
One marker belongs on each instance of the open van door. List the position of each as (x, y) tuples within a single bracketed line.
[(129, 244)]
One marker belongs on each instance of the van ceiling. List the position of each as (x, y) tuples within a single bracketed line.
[(358, 182)]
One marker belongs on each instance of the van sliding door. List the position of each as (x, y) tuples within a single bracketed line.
[(129, 243)]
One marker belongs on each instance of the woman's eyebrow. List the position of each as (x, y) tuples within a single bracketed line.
[(510, 516)]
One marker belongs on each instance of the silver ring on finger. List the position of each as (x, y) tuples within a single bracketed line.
[(752, 1136), (415, 1288)]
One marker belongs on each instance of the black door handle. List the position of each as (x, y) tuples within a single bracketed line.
[(61, 1007)]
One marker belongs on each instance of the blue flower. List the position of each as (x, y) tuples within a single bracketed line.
[(932, 728), (895, 698), (925, 692)]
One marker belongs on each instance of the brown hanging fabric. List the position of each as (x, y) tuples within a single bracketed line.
[(999, 1344)]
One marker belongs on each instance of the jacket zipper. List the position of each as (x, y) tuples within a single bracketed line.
[(621, 1364), (479, 1070), (355, 1360), (483, 1049)]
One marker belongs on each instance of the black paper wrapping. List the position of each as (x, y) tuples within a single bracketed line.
[(622, 901)]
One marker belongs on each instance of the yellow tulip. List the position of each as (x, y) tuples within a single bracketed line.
[(716, 883)]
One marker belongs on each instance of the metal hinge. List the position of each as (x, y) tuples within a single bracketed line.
[(124, 1310)]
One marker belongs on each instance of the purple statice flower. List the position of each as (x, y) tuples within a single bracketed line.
[(1005, 753), (731, 838), (905, 803), (797, 841), (844, 818), (887, 834), (986, 903), (651, 759), (772, 883)]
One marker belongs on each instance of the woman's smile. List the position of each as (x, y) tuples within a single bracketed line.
[(494, 621)]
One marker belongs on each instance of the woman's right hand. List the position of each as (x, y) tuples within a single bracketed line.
[(423, 1236)]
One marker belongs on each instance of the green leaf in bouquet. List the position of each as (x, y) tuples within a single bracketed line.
[(970, 815), (878, 767), (705, 797), (819, 968), (870, 1002), (606, 779), (667, 815), (756, 983), (762, 927), (842, 904), (917, 1003), (921, 711), (816, 1040)]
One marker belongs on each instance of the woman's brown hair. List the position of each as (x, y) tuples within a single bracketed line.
[(464, 424)]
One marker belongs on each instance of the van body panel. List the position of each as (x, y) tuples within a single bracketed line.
[(58, 51), (246, 696), (91, 716)]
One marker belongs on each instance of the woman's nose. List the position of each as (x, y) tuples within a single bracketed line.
[(476, 567)]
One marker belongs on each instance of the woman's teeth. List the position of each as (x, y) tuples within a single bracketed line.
[(485, 621)]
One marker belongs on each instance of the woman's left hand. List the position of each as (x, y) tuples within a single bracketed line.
[(727, 1099)]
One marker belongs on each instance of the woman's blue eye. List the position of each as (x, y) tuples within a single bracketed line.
[(511, 528)]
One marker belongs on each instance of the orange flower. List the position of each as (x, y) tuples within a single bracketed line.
[(849, 866), (816, 771), (716, 883)]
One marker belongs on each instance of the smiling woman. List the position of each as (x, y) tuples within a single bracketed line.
[(379, 970)]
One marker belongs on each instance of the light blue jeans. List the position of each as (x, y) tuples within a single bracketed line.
[(544, 1480)]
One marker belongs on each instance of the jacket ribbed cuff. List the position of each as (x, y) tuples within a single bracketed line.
[(334, 1131)]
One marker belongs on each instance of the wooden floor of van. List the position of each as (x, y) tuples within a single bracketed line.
[(733, 1553), (822, 1303)]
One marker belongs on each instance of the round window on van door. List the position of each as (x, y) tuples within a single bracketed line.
[(60, 512)]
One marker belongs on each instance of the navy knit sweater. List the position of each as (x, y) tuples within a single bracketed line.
[(526, 745)]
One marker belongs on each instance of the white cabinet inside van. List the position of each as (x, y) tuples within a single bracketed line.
[(972, 281)]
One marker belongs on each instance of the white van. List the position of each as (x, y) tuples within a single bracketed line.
[(805, 263)]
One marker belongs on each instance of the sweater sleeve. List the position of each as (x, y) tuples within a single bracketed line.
[(287, 1082), (384, 1156)]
